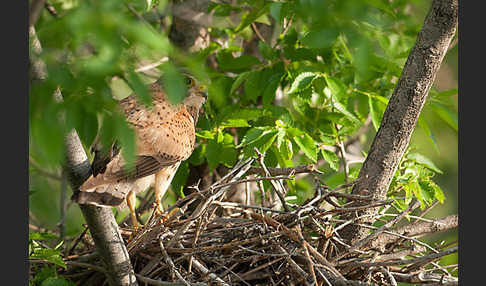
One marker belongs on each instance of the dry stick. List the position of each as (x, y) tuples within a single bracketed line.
[(404, 107), (77, 240), (307, 255), (425, 258), (293, 236), (294, 264), (241, 168), (384, 227), (311, 168), (417, 229), (199, 266), (242, 206), (62, 204), (421, 277), (163, 283), (169, 262), (277, 186), (263, 266)]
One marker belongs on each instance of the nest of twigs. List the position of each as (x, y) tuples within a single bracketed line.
[(209, 241)]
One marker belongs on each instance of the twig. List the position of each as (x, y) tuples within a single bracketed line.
[(285, 171), (169, 262), (77, 240), (307, 255), (421, 259), (367, 239), (62, 206), (164, 283), (238, 205), (41, 171), (152, 65), (277, 186), (257, 32), (294, 265), (206, 271), (215, 187)]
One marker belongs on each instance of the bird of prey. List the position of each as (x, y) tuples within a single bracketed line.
[(165, 136)]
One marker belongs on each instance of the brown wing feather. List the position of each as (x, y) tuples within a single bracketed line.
[(165, 135)]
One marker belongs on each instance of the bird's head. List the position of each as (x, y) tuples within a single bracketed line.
[(196, 96)]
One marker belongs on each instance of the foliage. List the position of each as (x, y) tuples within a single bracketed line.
[(296, 93), (46, 275)]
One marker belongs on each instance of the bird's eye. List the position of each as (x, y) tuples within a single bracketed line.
[(189, 81)]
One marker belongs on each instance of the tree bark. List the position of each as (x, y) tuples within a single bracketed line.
[(101, 221), (404, 107), (187, 31)]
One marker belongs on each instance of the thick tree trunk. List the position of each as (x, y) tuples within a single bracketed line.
[(404, 108)]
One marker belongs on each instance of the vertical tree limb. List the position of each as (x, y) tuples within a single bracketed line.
[(404, 107), (101, 222)]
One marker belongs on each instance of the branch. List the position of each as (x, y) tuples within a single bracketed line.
[(35, 10), (101, 222), (404, 107), (417, 229)]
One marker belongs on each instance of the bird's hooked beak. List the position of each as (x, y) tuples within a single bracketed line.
[(203, 92)]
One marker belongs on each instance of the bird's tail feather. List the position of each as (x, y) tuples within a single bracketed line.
[(105, 195)]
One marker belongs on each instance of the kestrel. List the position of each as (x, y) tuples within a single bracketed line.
[(165, 136)]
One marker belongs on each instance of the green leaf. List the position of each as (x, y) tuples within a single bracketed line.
[(421, 159), (45, 273), (57, 281), (42, 236), (259, 7), (239, 117), (197, 157), (430, 137), (267, 51), (446, 114), (173, 83), (229, 64), (427, 191), (126, 136), (79, 117), (286, 149), (337, 88), (252, 135), (341, 108), (221, 150), (263, 143), (139, 87), (307, 145), (206, 134), (180, 179), (321, 38), (239, 80), (254, 85), (376, 113), (270, 88), (302, 81), (51, 255), (331, 158)]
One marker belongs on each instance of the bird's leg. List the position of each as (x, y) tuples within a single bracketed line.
[(159, 189), (131, 200)]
